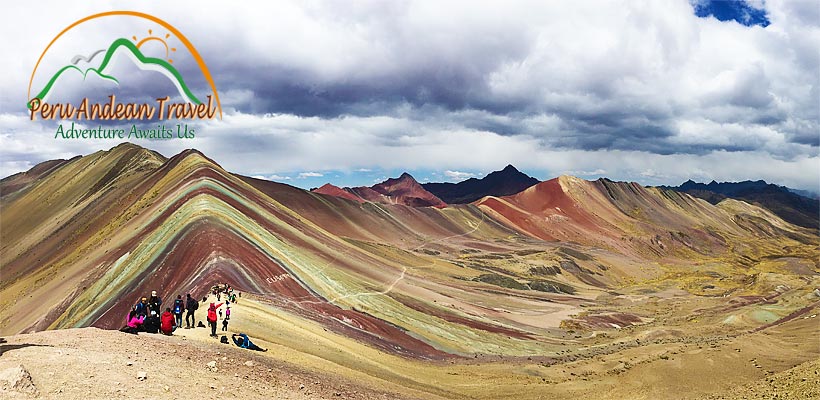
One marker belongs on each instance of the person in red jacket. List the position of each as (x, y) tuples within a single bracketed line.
[(167, 322), (212, 317)]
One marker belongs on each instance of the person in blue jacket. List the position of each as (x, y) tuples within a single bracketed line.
[(241, 340)]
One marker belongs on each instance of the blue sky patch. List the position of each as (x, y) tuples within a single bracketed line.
[(735, 10)]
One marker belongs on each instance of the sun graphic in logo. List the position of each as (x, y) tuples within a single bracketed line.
[(151, 37)]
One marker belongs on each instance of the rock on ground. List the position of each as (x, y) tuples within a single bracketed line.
[(17, 380)]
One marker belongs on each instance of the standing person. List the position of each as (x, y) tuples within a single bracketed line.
[(191, 305), (154, 303), (212, 317), (167, 324), (179, 306), (225, 324), (228, 312), (142, 307)]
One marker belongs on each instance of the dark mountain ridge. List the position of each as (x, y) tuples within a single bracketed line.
[(498, 183), (782, 201)]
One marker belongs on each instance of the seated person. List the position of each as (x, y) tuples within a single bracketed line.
[(167, 323), (245, 343), (152, 323), (133, 322)]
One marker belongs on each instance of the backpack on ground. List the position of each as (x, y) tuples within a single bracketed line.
[(224, 339)]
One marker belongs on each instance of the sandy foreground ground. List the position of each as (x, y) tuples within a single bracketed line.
[(91, 363)]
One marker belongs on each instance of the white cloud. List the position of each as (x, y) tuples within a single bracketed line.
[(458, 175), (273, 177), (650, 173), (597, 172), (620, 88), (303, 175), (334, 144)]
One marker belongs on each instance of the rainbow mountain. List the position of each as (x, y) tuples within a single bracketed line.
[(532, 274)]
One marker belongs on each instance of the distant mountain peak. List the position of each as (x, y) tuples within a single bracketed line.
[(402, 190), (406, 190), (497, 183), (333, 190), (404, 180)]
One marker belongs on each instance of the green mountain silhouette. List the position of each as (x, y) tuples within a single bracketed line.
[(121, 42)]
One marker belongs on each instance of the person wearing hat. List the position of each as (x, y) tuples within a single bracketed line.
[(142, 307), (154, 303)]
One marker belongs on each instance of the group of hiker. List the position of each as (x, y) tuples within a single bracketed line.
[(227, 290), (147, 316), (214, 310)]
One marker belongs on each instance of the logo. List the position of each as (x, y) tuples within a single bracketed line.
[(95, 72)]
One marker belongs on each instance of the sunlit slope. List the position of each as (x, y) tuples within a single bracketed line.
[(632, 219), (63, 208)]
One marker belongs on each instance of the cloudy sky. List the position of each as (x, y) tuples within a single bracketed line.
[(656, 92)]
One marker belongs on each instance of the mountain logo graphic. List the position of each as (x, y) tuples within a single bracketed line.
[(131, 48)]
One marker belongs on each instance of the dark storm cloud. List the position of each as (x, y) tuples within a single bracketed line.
[(624, 96), (596, 123), (279, 89)]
